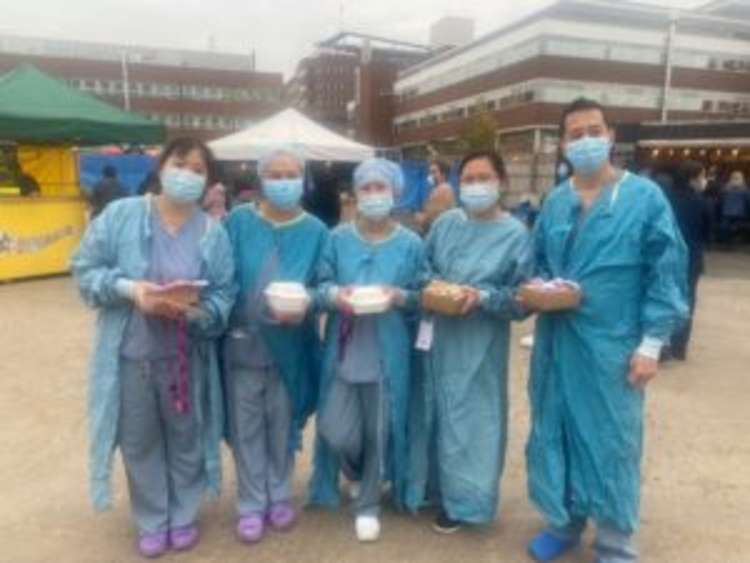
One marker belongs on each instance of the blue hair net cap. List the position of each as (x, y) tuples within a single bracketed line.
[(273, 153), (379, 170)]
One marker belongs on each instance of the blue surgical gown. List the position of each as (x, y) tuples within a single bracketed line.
[(115, 247), (351, 260), (626, 252), (458, 428), (265, 252)]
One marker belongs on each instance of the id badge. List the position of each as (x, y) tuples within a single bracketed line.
[(425, 335)]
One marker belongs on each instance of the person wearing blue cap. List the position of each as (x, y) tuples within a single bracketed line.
[(270, 358), (364, 389), (459, 405), (614, 234)]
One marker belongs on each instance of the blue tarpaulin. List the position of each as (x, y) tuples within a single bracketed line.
[(416, 188), (132, 169)]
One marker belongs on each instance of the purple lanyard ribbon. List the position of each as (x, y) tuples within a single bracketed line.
[(180, 389), (346, 328)]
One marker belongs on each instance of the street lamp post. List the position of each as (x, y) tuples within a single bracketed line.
[(125, 79), (668, 62)]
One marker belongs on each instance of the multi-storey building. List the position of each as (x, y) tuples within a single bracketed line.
[(204, 94), (643, 62), (347, 84)]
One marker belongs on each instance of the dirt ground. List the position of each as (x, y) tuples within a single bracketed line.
[(697, 481)]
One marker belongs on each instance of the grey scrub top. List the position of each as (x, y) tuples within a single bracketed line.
[(173, 257), (361, 361)]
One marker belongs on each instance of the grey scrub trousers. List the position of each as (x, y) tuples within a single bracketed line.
[(162, 449), (354, 420), (260, 424)]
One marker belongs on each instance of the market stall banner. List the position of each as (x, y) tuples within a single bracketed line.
[(38, 236)]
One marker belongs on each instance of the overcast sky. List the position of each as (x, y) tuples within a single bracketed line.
[(281, 31)]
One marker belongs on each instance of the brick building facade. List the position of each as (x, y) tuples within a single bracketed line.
[(203, 94), (347, 84), (643, 62)]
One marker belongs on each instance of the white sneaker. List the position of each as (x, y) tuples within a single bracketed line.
[(368, 528)]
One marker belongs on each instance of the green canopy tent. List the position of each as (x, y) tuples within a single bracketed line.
[(36, 108)]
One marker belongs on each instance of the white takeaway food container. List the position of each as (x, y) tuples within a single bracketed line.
[(369, 300), (287, 298)]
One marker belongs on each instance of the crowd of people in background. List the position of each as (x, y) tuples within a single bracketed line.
[(710, 214), (725, 198), (328, 193)]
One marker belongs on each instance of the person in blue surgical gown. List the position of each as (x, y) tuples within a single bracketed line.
[(362, 411), (270, 358), (613, 233), (458, 428), (154, 387)]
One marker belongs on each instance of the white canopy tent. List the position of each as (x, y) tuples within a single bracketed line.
[(290, 127)]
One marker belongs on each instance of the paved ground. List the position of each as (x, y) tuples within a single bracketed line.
[(697, 481)]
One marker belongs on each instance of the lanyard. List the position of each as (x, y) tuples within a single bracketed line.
[(180, 388)]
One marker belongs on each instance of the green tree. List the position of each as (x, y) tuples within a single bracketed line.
[(479, 134)]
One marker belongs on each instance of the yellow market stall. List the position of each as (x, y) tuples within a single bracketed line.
[(40, 229), (42, 210)]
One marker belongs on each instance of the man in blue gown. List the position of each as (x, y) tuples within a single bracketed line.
[(613, 233)]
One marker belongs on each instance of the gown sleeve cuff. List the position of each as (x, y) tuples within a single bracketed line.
[(125, 288), (650, 347), (332, 294)]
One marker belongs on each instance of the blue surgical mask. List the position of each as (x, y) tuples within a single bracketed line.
[(377, 206), (182, 185), (588, 154), (283, 194), (479, 196)]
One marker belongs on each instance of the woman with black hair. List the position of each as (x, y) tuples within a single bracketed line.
[(159, 271), (459, 403)]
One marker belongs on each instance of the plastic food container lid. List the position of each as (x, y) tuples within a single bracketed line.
[(289, 290)]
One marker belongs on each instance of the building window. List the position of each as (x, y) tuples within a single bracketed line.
[(576, 48), (736, 65), (453, 114), (428, 120), (636, 54), (735, 108)]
